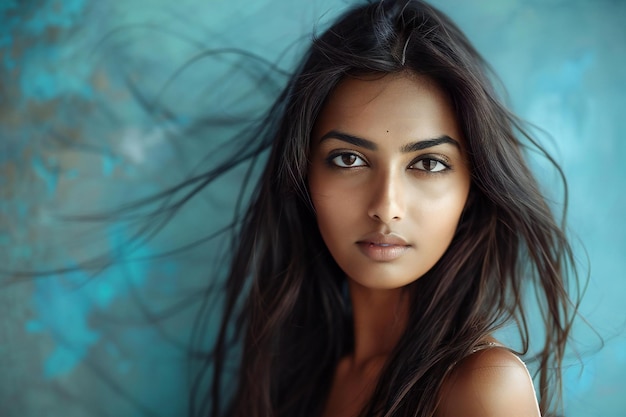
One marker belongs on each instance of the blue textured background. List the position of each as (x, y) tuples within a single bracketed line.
[(74, 140)]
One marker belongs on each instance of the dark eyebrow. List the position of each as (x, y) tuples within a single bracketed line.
[(409, 147), (360, 142), (429, 143)]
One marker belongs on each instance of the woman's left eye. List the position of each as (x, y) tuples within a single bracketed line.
[(430, 165)]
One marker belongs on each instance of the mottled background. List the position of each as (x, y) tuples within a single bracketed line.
[(97, 107)]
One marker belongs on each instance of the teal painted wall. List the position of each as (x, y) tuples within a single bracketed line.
[(75, 140)]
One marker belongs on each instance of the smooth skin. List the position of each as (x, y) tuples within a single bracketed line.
[(389, 180)]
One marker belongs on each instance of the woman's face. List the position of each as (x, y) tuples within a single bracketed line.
[(388, 178)]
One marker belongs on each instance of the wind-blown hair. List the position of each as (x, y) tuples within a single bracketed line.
[(284, 292)]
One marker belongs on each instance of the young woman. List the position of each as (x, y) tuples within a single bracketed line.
[(395, 228)]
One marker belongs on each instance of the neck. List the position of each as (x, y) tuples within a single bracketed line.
[(380, 318)]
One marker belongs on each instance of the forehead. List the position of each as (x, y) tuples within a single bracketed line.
[(399, 105)]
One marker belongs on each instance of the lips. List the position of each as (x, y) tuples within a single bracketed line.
[(381, 247)]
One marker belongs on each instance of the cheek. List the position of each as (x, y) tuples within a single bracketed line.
[(339, 210), (447, 207), (335, 211), (435, 212)]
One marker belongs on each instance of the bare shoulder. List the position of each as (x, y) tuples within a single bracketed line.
[(490, 383)]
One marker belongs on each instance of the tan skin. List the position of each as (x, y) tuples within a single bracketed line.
[(389, 180)]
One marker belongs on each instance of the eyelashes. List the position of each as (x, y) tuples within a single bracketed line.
[(346, 160), (430, 165), (350, 160)]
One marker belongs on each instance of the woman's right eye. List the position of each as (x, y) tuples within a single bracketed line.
[(347, 160)]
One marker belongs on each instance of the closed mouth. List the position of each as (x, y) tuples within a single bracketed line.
[(383, 240), (381, 247)]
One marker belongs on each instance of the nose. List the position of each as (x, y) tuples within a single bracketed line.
[(387, 203)]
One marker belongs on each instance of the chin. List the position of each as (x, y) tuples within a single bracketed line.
[(383, 281)]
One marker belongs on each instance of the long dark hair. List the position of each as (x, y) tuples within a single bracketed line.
[(284, 301)]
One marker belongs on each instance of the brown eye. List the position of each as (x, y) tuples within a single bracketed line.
[(347, 160), (430, 165)]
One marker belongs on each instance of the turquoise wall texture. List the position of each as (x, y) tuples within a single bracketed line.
[(98, 106)]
